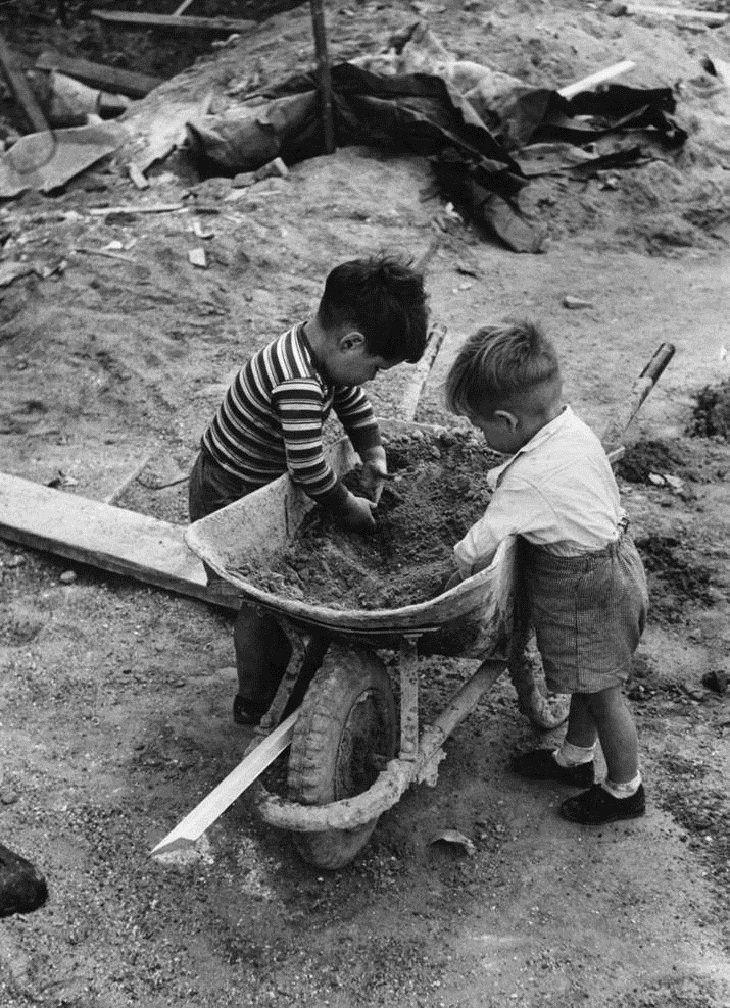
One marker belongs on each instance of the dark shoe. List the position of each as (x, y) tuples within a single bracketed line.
[(540, 764), (244, 714), (597, 806)]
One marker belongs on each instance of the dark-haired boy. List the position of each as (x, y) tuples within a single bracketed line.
[(372, 316)]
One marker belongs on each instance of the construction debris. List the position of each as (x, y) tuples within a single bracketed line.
[(135, 21), (137, 176), (478, 168), (99, 75)]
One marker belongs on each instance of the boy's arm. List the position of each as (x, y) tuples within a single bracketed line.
[(356, 415), (299, 407), (515, 508)]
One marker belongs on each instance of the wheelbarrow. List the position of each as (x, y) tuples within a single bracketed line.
[(353, 753)]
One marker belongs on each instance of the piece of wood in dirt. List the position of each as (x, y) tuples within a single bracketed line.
[(112, 79), (594, 79), (195, 823), (114, 539), (137, 176), (137, 208), (713, 19), (169, 22)]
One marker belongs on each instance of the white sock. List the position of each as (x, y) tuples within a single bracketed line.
[(573, 755), (622, 790)]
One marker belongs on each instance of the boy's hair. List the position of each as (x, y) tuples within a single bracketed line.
[(384, 299), (499, 365)]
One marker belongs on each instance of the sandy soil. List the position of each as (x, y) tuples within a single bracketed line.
[(115, 699), (437, 490)]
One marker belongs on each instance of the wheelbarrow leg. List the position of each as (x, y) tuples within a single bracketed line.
[(307, 652), (408, 698)]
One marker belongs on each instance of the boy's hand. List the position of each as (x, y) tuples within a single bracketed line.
[(357, 515), (374, 472)]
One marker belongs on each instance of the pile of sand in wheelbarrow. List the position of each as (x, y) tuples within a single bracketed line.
[(437, 491)]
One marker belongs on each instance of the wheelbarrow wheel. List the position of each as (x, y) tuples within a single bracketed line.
[(347, 719)]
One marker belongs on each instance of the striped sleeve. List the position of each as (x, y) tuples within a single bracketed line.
[(356, 414), (299, 407)]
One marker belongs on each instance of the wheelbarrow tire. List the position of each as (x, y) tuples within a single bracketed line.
[(347, 717)]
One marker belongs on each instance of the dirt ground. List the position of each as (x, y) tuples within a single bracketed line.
[(115, 698)]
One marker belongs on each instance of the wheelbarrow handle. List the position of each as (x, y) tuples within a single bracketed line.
[(630, 406)]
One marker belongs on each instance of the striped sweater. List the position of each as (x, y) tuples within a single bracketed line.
[(271, 420)]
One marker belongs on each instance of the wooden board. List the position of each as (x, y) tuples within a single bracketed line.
[(195, 823), (169, 22), (111, 79), (115, 539)]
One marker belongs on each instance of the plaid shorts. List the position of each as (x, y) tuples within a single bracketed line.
[(588, 612)]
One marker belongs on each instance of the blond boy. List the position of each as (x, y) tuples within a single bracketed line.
[(584, 579)]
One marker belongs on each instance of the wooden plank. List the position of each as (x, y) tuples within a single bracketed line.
[(137, 208), (169, 22), (114, 539), (111, 79), (713, 19), (21, 89), (195, 823), (599, 77)]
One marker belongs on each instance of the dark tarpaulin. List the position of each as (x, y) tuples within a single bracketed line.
[(475, 157)]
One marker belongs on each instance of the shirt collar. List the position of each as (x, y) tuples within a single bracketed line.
[(553, 427), (301, 336)]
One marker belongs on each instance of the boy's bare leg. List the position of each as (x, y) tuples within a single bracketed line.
[(581, 726), (616, 733), (621, 795)]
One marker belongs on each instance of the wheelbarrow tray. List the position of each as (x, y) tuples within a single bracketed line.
[(474, 617)]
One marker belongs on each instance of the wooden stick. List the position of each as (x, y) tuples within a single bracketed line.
[(629, 407), (425, 257), (169, 22), (111, 79), (182, 8), (599, 77), (106, 254), (21, 89), (713, 19), (409, 400), (323, 69), (195, 823), (137, 208)]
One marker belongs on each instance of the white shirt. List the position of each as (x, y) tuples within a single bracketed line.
[(558, 492)]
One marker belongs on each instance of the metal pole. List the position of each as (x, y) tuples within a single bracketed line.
[(323, 70)]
